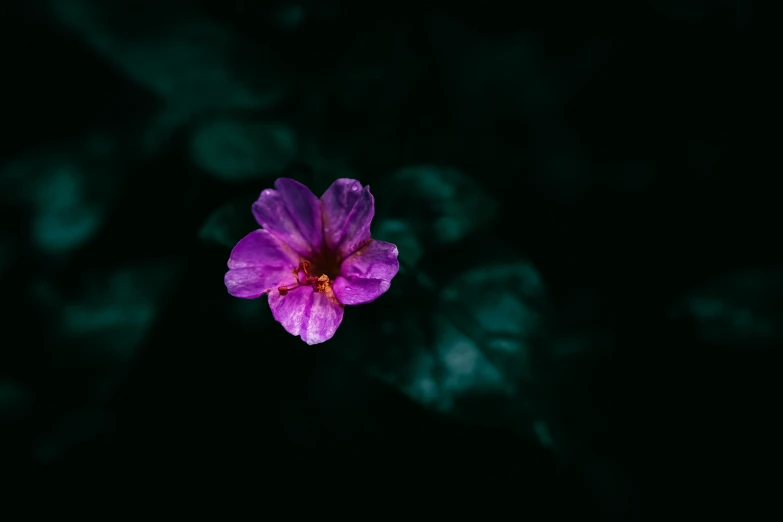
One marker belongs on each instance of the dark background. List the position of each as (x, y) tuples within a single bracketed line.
[(585, 324)]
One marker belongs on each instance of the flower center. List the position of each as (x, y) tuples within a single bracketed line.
[(318, 273), (324, 263)]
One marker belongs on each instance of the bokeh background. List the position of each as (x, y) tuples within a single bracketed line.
[(585, 321)]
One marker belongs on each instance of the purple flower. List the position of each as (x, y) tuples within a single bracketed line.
[(312, 256)]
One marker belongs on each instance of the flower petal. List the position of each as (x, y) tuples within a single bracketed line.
[(359, 291), (292, 214), (367, 274), (313, 316), (348, 210), (258, 263)]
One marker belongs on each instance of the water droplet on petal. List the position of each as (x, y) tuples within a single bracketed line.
[(356, 186), (348, 288)]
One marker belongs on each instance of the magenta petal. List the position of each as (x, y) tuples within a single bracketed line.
[(313, 316), (292, 214), (248, 283), (348, 210), (367, 274), (359, 291), (258, 263)]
